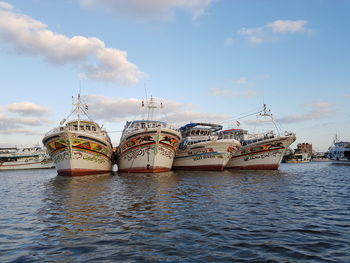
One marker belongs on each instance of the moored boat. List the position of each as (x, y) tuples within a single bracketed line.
[(147, 145), (259, 151), (201, 148), (22, 158), (300, 158), (81, 147), (339, 152)]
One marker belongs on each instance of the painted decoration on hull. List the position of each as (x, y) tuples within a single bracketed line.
[(140, 142), (81, 148)]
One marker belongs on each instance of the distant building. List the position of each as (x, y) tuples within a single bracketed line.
[(304, 148)]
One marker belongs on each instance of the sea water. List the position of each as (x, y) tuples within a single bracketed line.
[(300, 213)]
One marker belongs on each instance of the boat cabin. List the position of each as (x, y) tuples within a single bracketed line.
[(83, 126), (136, 125)]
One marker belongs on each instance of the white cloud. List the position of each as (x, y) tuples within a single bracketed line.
[(346, 95), (27, 108), (150, 9), (234, 93), (288, 25), (21, 131), (17, 122), (120, 110), (272, 30), (314, 111), (30, 36), (241, 80), (5, 5)]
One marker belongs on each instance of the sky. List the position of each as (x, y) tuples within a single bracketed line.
[(205, 60)]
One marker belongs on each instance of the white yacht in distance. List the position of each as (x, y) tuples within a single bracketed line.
[(81, 147), (147, 145), (20, 158), (260, 151), (339, 152), (201, 148)]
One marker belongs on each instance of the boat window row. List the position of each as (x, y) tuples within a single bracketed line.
[(143, 125), (84, 127)]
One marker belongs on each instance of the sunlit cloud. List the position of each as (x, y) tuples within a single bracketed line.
[(27, 108), (21, 131), (272, 31), (5, 5), (32, 37), (16, 122), (314, 111), (120, 110), (150, 9), (285, 26)]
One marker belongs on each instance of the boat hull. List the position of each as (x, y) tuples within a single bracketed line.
[(341, 162), (205, 156), (74, 156), (150, 151), (262, 155), (43, 164)]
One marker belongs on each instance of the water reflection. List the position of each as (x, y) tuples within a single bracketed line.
[(74, 204)]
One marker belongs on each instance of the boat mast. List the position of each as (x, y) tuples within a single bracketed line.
[(151, 106)]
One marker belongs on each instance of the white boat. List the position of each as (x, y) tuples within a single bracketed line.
[(339, 152), (201, 148), (21, 158), (300, 158), (260, 151), (81, 147), (147, 145)]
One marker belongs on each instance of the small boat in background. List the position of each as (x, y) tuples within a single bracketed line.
[(202, 149), (259, 151), (147, 145), (81, 147), (339, 152), (299, 158), (21, 158)]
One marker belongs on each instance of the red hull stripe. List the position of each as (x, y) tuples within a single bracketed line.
[(257, 167), (145, 170), (270, 150), (200, 168), (79, 172)]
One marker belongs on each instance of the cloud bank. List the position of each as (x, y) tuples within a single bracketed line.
[(314, 111), (150, 9), (272, 30), (32, 37), (119, 110), (27, 108)]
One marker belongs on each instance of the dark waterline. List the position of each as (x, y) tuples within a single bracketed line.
[(300, 213)]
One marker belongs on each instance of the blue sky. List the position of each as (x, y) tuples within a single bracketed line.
[(207, 60)]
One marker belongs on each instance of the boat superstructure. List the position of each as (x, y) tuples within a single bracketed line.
[(339, 152), (202, 149), (260, 151), (28, 157), (147, 145), (80, 147)]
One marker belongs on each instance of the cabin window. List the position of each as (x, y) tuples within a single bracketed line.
[(88, 127), (197, 132), (143, 125), (93, 128)]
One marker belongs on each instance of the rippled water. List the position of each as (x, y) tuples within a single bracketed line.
[(300, 213)]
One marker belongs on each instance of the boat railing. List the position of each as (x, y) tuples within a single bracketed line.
[(70, 128)]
